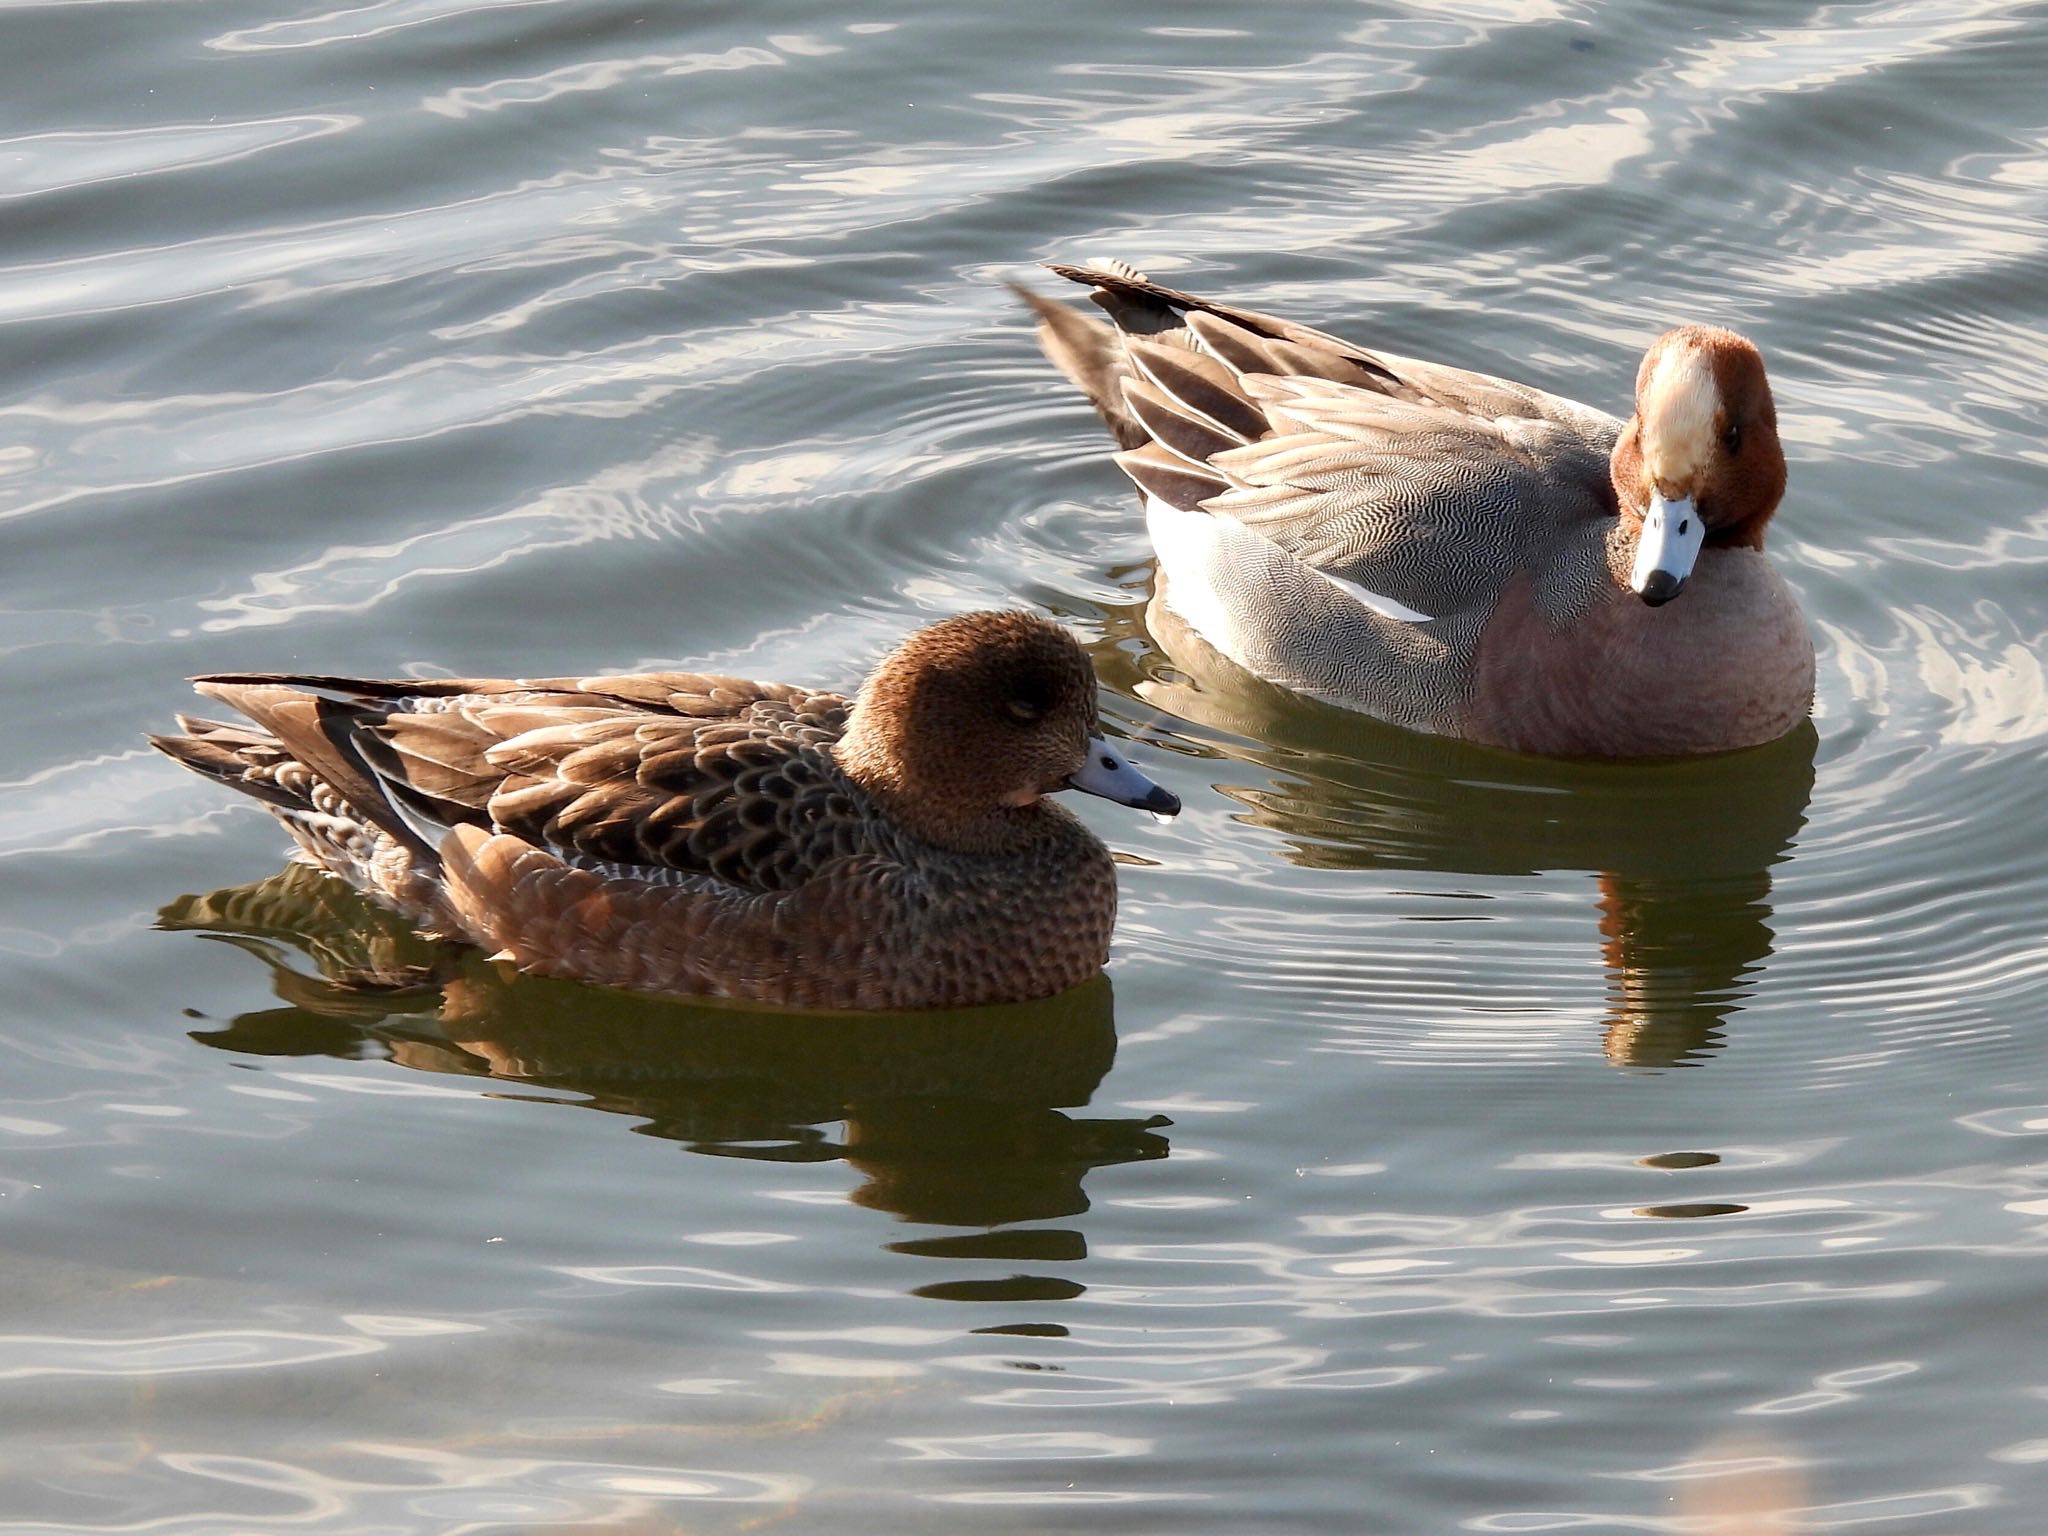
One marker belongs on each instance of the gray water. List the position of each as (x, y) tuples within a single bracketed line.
[(1458, 1142)]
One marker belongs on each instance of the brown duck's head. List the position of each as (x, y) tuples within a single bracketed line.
[(1699, 463), (982, 715)]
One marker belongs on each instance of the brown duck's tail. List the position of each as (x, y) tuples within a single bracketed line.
[(301, 755), (243, 759), (1090, 351)]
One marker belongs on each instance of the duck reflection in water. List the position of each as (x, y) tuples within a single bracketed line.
[(953, 1116), (1680, 852)]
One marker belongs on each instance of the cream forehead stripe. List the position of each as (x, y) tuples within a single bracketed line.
[(1678, 417)]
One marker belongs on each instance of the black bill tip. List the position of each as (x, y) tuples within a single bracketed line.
[(1161, 802), (1661, 587)]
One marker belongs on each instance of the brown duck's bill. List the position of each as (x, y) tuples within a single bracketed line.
[(1108, 773)]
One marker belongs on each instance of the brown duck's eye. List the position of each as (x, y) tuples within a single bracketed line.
[(1024, 711), (1731, 437)]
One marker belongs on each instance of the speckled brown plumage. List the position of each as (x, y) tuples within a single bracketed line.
[(682, 833)]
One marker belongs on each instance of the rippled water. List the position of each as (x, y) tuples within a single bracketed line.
[(1467, 1142)]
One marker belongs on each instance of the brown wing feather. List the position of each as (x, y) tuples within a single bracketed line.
[(687, 772), (1193, 438), (747, 795), (1200, 386), (1173, 480)]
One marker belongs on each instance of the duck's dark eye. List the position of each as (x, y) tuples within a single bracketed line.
[(1024, 711), (1731, 437)]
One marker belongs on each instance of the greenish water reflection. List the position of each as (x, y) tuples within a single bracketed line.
[(953, 1117), (1681, 852)]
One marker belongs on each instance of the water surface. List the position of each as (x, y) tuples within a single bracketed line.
[(1457, 1142)]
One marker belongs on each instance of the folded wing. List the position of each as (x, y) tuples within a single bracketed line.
[(663, 776), (1423, 485)]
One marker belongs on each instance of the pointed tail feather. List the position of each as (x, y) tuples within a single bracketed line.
[(1245, 340), (227, 758), (303, 743), (1088, 352)]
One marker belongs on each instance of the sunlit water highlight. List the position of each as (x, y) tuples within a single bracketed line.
[(1459, 1142)]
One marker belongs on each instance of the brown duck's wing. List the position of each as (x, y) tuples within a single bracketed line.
[(669, 774), (693, 695), (743, 791)]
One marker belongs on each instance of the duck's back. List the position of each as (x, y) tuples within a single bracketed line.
[(673, 775)]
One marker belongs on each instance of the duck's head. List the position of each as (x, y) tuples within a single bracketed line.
[(1699, 462), (980, 716)]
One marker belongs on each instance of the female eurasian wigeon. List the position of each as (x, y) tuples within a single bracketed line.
[(677, 833), (1449, 551)]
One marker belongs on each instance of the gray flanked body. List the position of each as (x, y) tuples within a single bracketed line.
[(1437, 548), (1331, 569)]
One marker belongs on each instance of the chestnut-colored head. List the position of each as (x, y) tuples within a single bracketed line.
[(966, 725), (1699, 463)]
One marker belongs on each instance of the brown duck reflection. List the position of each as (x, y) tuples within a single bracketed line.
[(953, 1116), (1681, 851)]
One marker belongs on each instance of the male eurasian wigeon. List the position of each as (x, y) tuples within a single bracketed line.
[(678, 833), (1449, 551)]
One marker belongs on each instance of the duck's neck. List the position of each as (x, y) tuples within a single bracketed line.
[(951, 812)]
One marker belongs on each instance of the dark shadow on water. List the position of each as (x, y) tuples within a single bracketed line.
[(953, 1117), (1680, 853)]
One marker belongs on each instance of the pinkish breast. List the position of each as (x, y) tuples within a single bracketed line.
[(1726, 664)]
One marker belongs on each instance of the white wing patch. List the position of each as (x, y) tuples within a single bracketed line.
[(1201, 553), (1385, 606)]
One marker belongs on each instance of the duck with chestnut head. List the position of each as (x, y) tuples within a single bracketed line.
[(1450, 551)]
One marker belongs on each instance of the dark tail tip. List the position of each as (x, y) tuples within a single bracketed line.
[(1087, 351)]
